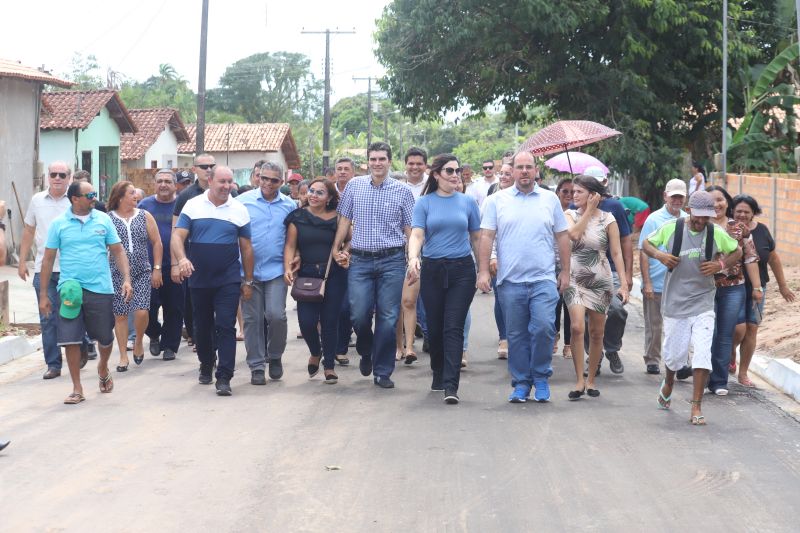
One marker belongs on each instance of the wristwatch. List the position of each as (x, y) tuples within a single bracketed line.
[(759, 289), (157, 267), (249, 282)]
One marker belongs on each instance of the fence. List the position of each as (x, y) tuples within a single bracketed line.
[(778, 196)]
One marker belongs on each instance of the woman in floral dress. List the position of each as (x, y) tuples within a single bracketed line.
[(591, 288)]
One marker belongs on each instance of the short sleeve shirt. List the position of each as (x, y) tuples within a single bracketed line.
[(687, 292), (42, 210), (447, 221), (84, 249), (526, 224), (379, 213), (215, 232), (653, 222), (268, 231)]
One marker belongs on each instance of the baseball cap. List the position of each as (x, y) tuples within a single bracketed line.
[(675, 187), (182, 176), (295, 177), (702, 204), (71, 295), (595, 172)]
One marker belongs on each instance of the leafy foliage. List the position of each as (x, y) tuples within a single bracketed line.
[(166, 89)]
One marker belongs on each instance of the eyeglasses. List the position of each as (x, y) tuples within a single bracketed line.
[(274, 181), (488, 168), (89, 195), (450, 170), (317, 192), (62, 175), (206, 167)]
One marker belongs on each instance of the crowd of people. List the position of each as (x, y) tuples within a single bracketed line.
[(392, 259)]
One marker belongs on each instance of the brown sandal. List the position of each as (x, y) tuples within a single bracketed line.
[(75, 397), (106, 383)]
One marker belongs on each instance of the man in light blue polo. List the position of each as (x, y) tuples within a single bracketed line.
[(528, 223), (83, 236), (653, 273), (265, 313)]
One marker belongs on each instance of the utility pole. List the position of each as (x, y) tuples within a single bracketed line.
[(326, 120), (369, 105), (200, 130), (724, 91)]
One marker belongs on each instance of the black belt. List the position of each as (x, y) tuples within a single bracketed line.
[(386, 252)]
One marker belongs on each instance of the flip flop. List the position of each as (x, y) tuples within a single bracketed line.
[(74, 398), (746, 382), (698, 420), (663, 401), (410, 357), (106, 383)]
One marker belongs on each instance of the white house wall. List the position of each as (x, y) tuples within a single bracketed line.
[(57, 145), (164, 150)]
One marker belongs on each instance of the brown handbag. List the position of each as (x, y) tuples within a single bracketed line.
[(312, 290)]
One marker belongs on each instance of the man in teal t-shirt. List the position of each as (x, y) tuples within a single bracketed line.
[(687, 303)]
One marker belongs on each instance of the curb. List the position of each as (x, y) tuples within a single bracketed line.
[(783, 374), (17, 346)]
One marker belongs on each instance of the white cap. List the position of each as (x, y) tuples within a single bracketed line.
[(595, 172)]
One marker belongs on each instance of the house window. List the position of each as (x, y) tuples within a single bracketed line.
[(153, 164), (86, 161)]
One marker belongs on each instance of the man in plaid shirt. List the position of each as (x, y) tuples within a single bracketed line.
[(378, 209)]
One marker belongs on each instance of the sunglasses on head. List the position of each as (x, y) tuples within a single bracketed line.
[(62, 175), (89, 195), (206, 167), (274, 181), (488, 168), (450, 170)]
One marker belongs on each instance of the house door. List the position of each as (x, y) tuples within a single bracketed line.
[(109, 169)]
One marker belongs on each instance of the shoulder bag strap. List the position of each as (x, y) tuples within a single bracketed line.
[(330, 257), (709, 240), (677, 239)]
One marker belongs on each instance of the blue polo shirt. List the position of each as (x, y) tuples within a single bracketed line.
[(269, 231), (655, 220), (526, 225), (215, 232), (83, 247)]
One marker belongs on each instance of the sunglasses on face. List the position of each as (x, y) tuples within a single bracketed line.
[(317, 192), (206, 167), (488, 168), (274, 181), (89, 195), (450, 171), (62, 175)]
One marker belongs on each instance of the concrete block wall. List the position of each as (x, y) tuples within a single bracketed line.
[(779, 198)]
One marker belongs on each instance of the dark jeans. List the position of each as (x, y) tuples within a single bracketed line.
[(345, 326), (170, 298), (567, 323), (188, 310), (447, 288), (215, 320), (52, 353), (324, 313), (498, 313)]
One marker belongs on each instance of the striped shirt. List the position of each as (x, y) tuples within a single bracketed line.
[(379, 213), (214, 232)]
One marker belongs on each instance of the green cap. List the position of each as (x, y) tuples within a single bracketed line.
[(71, 299)]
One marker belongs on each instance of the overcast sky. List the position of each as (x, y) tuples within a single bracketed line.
[(133, 38)]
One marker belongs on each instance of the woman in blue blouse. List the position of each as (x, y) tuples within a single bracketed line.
[(448, 222)]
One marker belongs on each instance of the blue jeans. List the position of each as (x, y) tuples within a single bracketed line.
[(345, 326), (52, 353), (529, 310), (727, 303), (498, 312), (376, 283), (324, 313), (215, 321)]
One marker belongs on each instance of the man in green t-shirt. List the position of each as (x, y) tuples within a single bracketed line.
[(687, 303)]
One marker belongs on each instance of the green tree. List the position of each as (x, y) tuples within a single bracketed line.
[(266, 87), (649, 68), (85, 73), (166, 89)]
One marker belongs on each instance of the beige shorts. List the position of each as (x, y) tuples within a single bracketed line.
[(680, 334)]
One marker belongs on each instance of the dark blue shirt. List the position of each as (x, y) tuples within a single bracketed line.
[(162, 212)]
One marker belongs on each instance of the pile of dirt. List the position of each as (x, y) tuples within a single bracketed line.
[(27, 329), (778, 334)]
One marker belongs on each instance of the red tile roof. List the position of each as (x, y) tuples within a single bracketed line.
[(67, 110), (13, 69), (237, 137), (150, 123)]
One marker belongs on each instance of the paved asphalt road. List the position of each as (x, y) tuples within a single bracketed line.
[(163, 453)]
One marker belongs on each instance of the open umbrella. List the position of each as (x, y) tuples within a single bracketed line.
[(565, 134), (574, 162)]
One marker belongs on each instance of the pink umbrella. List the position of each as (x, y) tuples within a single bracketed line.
[(565, 134), (574, 162)]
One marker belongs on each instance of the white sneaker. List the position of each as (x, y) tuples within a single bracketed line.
[(721, 392)]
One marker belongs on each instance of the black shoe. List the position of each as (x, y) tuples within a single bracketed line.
[(576, 394), (684, 373), (121, 368), (450, 397), (257, 378), (275, 369), (425, 346), (92, 350), (586, 371), (205, 375), (313, 370), (594, 393), (384, 383), (84, 355), (169, 355), (365, 365), (51, 373), (3, 445), (223, 386), (155, 347), (418, 332), (615, 363), (653, 369), (436, 384), (138, 359)]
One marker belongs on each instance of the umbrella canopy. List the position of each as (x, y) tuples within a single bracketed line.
[(566, 134), (574, 162)]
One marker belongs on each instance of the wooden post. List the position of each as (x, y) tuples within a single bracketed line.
[(4, 310), (773, 216)]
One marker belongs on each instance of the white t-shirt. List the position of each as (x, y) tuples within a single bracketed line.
[(693, 185), (42, 210), (480, 188), (416, 188)]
